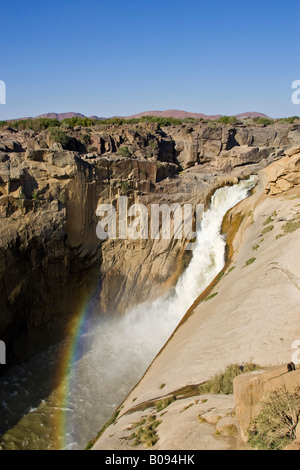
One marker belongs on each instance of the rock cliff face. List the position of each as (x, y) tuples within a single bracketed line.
[(50, 257), (252, 315)]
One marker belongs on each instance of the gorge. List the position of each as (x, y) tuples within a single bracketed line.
[(52, 265)]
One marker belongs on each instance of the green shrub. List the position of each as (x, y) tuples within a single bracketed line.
[(250, 261), (36, 125), (262, 120), (125, 187), (275, 426), (291, 227), (124, 152), (79, 121), (60, 137), (289, 120), (86, 140), (227, 120)]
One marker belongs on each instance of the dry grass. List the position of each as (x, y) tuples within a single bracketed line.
[(275, 426)]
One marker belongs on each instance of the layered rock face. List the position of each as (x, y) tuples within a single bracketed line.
[(51, 260), (230, 147)]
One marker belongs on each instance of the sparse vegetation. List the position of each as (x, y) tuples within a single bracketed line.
[(222, 383), (229, 431), (262, 120), (125, 187), (40, 124), (86, 140), (289, 120), (35, 195), (267, 229), (227, 120), (187, 407), (210, 297), (255, 247), (275, 426), (146, 432), (250, 261), (268, 221), (164, 403), (291, 227), (293, 198), (124, 152), (60, 137), (62, 198), (106, 425)]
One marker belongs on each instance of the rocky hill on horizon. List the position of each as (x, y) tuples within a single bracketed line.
[(171, 113)]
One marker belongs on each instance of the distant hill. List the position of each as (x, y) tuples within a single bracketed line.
[(171, 113), (178, 114), (62, 116), (174, 113), (251, 115)]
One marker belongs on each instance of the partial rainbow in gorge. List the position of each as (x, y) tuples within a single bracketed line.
[(69, 379)]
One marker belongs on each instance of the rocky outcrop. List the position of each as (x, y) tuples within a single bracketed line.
[(229, 147), (283, 175), (251, 389)]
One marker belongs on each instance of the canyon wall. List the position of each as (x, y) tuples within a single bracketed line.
[(51, 260)]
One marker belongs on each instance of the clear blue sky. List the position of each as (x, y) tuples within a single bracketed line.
[(116, 57)]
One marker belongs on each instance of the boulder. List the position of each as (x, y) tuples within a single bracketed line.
[(251, 389), (283, 174)]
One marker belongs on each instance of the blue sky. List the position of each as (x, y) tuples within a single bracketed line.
[(105, 57)]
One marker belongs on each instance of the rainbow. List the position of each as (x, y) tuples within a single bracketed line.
[(72, 352)]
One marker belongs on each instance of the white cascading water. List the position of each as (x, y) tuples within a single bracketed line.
[(113, 353), (120, 349)]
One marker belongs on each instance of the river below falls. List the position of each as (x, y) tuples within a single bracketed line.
[(45, 406)]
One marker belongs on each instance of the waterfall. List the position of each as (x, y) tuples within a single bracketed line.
[(112, 353), (120, 349)]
